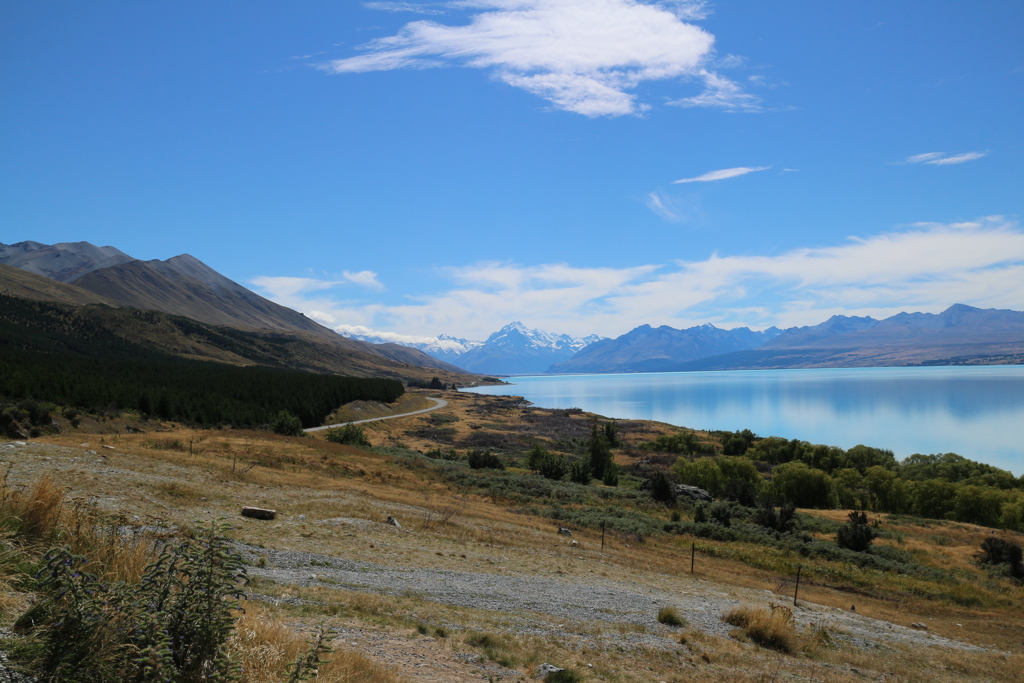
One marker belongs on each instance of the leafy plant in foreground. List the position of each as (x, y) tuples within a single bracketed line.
[(172, 626)]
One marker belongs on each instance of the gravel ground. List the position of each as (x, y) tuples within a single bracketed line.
[(596, 601)]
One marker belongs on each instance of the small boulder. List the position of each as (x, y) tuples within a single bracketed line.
[(394, 522), (693, 493), (564, 531), (258, 513), (546, 669)]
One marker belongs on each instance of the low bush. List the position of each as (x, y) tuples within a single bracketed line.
[(670, 617), (856, 534), (286, 424), (480, 460), (771, 628), (350, 434), (997, 551)]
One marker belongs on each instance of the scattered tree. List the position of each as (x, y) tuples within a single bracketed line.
[(856, 534)]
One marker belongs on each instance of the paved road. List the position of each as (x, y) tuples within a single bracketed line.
[(439, 403)]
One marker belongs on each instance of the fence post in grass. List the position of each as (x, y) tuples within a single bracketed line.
[(797, 589), (693, 555), (602, 536)]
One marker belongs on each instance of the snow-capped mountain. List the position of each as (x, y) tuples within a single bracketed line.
[(518, 350), (513, 350)]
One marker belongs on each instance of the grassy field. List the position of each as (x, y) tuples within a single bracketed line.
[(334, 499)]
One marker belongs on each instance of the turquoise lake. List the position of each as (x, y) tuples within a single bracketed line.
[(976, 411)]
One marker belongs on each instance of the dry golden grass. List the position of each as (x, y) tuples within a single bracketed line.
[(468, 532), (264, 646), (772, 628)]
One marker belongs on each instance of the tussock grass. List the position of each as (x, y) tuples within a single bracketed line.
[(771, 628), (670, 616)]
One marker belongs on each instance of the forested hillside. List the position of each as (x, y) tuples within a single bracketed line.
[(58, 354)]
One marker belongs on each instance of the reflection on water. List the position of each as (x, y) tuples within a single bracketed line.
[(973, 411)]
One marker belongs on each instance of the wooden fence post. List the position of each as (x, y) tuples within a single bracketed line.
[(602, 536), (797, 589), (693, 554)]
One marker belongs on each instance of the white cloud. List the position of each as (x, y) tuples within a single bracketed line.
[(583, 56), (720, 92), (364, 278), (921, 267), (285, 287), (413, 7), (957, 158), (656, 204), (940, 158), (722, 174)]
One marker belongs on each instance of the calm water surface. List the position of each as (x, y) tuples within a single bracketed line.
[(977, 412)]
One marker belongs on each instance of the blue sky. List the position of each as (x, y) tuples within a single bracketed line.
[(584, 166)]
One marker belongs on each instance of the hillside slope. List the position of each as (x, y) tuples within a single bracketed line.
[(182, 286)]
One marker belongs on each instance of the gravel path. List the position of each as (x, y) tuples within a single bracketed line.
[(438, 403)]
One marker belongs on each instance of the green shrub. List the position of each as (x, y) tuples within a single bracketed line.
[(611, 475), (563, 676), (287, 424), (579, 472), (350, 434), (996, 551), (172, 626), (855, 535), (662, 489), (548, 465), (480, 460)]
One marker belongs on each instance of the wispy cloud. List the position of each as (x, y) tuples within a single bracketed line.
[(414, 7), (723, 174), (941, 159), (583, 56), (285, 287), (656, 204), (922, 267)]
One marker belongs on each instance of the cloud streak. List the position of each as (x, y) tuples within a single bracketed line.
[(924, 267), (941, 159), (583, 56), (723, 174)]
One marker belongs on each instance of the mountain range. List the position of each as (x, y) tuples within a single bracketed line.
[(959, 335), (80, 273), (102, 280), (513, 350)]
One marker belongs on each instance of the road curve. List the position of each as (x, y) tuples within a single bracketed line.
[(439, 403)]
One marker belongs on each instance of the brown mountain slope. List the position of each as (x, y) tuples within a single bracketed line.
[(26, 285), (153, 285), (194, 339), (185, 286)]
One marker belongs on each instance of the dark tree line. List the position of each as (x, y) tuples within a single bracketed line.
[(194, 392)]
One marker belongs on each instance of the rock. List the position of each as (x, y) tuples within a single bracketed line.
[(90, 452), (259, 513), (545, 669), (106, 446), (564, 531), (394, 522), (693, 493), (575, 544), (920, 626)]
